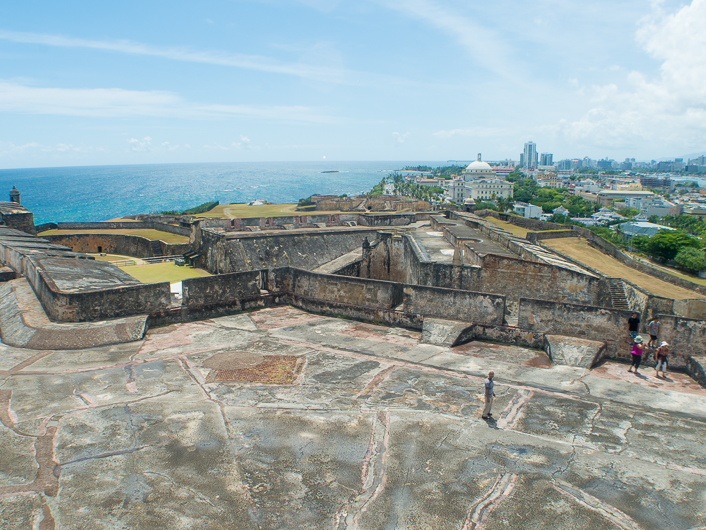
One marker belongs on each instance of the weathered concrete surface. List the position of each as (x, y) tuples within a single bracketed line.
[(24, 324), (572, 351), (373, 430)]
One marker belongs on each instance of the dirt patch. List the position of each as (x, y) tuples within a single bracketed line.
[(273, 370), (540, 361), (233, 360)]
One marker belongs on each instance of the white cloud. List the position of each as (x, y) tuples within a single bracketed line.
[(106, 102), (258, 63), (140, 145), (116, 102), (399, 137), (10, 150), (667, 112), (244, 144)]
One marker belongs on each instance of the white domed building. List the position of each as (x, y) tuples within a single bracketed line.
[(478, 170), (479, 182)]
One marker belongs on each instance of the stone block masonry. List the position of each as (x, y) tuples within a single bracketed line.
[(122, 244)]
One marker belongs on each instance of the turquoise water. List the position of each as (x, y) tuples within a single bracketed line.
[(99, 193)]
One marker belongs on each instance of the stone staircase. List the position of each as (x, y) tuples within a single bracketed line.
[(618, 300)]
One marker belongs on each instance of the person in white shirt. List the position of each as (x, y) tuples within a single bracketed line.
[(489, 395)]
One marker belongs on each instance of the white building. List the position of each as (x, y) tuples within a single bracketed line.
[(656, 205), (529, 156), (489, 189), (528, 210), (589, 185), (478, 170), (642, 229), (479, 182)]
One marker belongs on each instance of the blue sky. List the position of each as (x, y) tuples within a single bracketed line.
[(86, 82)]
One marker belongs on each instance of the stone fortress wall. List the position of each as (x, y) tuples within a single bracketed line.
[(122, 244), (502, 286)]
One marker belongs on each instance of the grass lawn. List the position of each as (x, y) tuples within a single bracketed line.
[(513, 229), (582, 252), (154, 235), (114, 258), (163, 272), (243, 211)]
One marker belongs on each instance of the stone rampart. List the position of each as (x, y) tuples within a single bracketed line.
[(524, 222), (354, 291), (224, 289), (534, 237), (574, 320), (129, 225), (557, 230), (68, 302), (518, 278), (510, 277), (610, 325), (126, 245), (221, 253), (503, 334), (376, 296), (454, 304)]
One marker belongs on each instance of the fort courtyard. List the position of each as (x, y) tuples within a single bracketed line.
[(279, 418)]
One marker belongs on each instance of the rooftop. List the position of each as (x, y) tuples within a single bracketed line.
[(283, 417)]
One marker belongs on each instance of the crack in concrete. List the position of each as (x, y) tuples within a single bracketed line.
[(593, 419), (569, 461), (581, 380), (615, 516), (376, 381), (108, 454), (373, 476), (515, 409), (478, 512)]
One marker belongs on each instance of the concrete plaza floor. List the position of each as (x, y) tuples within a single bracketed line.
[(284, 419)]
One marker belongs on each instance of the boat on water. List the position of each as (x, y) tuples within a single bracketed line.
[(331, 171)]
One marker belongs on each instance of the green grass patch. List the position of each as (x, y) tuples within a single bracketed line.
[(163, 272)]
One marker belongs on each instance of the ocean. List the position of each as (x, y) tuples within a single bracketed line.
[(99, 193)]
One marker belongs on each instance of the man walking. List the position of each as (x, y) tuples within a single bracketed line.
[(489, 395), (653, 330)]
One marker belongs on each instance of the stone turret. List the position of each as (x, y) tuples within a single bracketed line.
[(15, 195), (14, 215)]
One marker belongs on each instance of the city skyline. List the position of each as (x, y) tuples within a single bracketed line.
[(280, 80)]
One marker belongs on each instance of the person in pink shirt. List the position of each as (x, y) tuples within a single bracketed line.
[(637, 350)]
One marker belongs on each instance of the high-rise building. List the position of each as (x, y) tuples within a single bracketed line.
[(530, 159), (546, 159)]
